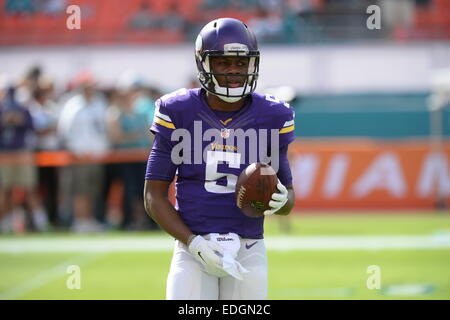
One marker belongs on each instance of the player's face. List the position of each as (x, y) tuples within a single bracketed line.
[(236, 66)]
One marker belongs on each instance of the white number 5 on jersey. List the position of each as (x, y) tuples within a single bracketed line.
[(211, 175)]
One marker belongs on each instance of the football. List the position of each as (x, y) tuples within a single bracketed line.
[(254, 189)]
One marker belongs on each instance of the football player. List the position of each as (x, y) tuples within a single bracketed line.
[(219, 252)]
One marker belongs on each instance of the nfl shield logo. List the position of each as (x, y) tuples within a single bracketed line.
[(225, 133)]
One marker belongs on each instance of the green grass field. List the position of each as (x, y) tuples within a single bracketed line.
[(316, 259)]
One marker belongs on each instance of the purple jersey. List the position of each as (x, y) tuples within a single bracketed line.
[(213, 154)]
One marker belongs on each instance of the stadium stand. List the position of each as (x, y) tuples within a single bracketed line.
[(108, 22)]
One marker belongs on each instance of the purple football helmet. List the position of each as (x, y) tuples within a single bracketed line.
[(226, 37)]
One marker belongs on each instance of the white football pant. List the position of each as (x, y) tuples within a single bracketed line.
[(188, 281)]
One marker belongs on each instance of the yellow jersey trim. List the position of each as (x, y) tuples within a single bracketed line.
[(164, 123), (287, 129)]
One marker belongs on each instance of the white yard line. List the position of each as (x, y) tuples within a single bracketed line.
[(283, 243), (360, 242), (49, 275)]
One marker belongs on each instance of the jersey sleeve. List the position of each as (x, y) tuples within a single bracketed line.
[(284, 170), (279, 115), (282, 117), (284, 121), (159, 164), (287, 127), (162, 120)]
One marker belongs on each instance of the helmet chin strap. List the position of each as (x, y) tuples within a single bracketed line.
[(233, 91), (230, 99), (229, 94)]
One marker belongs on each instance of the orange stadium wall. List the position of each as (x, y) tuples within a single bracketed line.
[(368, 174), (328, 174)]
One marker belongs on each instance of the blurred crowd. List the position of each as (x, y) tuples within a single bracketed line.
[(86, 120), (35, 6), (273, 21)]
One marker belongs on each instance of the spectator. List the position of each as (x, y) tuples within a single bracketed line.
[(20, 6), (82, 128), (213, 5), (397, 16), (53, 7), (192, 83), (45, 113), (18, 177), (270, 5), (174, 20), (423, 3), (45, 117), (27, 85), (143, 19), (226, 4), (128, 123), (266, 27)]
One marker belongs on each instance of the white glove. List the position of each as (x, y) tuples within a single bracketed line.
[(209, 254), (231, 248), (232, 266), (278, 199)]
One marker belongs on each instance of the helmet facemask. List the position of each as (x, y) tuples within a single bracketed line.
[(208, 78)]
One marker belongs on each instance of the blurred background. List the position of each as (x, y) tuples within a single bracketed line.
[(370, 87)]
